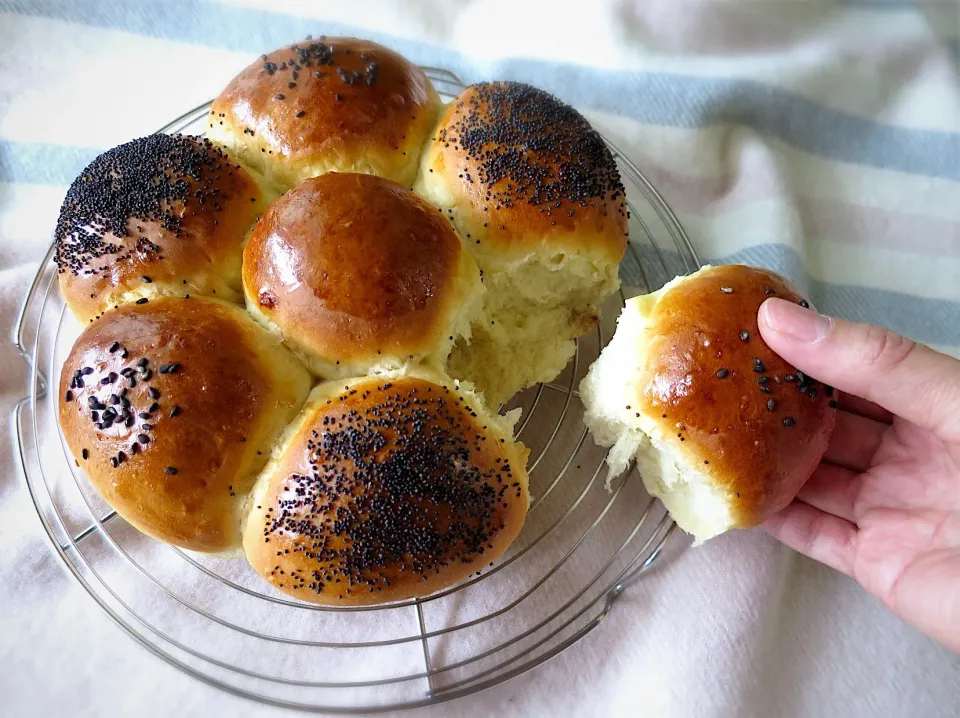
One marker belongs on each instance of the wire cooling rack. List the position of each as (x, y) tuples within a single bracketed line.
[(581, 547)]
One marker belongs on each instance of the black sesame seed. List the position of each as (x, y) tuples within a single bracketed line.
[(142, 361), (758, 366), (68, 396), (804, 303), (113, 462), (723, 373), (765, 389), (763, 380), (301, 113), (744, 336), (170, 470), (789, 421), (175, 411), (84, 454), (146, 279), (789, 378), (771, 404), (153, 392), (143, 438), (278, 96), (142, 300), (114, 347)]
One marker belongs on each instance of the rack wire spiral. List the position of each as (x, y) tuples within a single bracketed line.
[(581, 547)]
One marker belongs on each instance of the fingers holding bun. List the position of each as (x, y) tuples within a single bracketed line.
[(333, 104), (387, 488), (171, 409), (723, 430), (360, 274), (164, 214)]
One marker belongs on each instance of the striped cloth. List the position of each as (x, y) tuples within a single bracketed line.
[(819, 139)]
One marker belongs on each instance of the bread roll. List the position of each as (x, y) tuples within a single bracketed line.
[(537, 198), (338, 104), (171, 408), (387, 488), (360, 274), (723, 430), (165, 214)]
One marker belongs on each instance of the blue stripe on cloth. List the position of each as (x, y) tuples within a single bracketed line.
[(659, 99), (931, 321), (40, 163)]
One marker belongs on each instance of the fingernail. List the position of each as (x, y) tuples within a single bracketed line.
[(794, 321)]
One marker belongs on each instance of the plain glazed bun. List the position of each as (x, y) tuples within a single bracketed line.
[(536, 195), (387, 488), (337, 104), (723, 430), (360, 274), (171, 408), (164, 214)]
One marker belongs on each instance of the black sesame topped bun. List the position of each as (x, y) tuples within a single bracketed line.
[(723, 430), (337, 103), (172, 407), (536, 195), (164, 214), (387, 488)]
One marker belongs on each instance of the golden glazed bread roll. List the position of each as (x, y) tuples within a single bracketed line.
[(387, 488), (162, 214), (360, 274), (337, 103), (171, 408), (537, 198), (723, 430)]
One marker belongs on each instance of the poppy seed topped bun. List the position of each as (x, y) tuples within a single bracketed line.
[(333, 104), (164, 214), (172, 407), (387, 488), (723, 430), (536, 196)]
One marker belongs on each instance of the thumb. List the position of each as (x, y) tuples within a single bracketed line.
[(905, 378)]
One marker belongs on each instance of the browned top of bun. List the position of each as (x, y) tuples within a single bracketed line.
[(743, 415), (158, 212), (194, 381), (339, 96), (528, 168), (353, 266), (391, 489)]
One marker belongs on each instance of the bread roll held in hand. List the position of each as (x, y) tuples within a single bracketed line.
[(334, 104), (171, 407), (723, 430), (360, 274), (164, 214), (536, 196), (387, 488)]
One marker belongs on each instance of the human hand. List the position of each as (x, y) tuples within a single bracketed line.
[(884, 504)]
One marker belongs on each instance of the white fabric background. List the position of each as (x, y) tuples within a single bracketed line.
[(819, 139)]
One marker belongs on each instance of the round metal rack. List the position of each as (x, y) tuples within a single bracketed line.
[(583, 543)]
